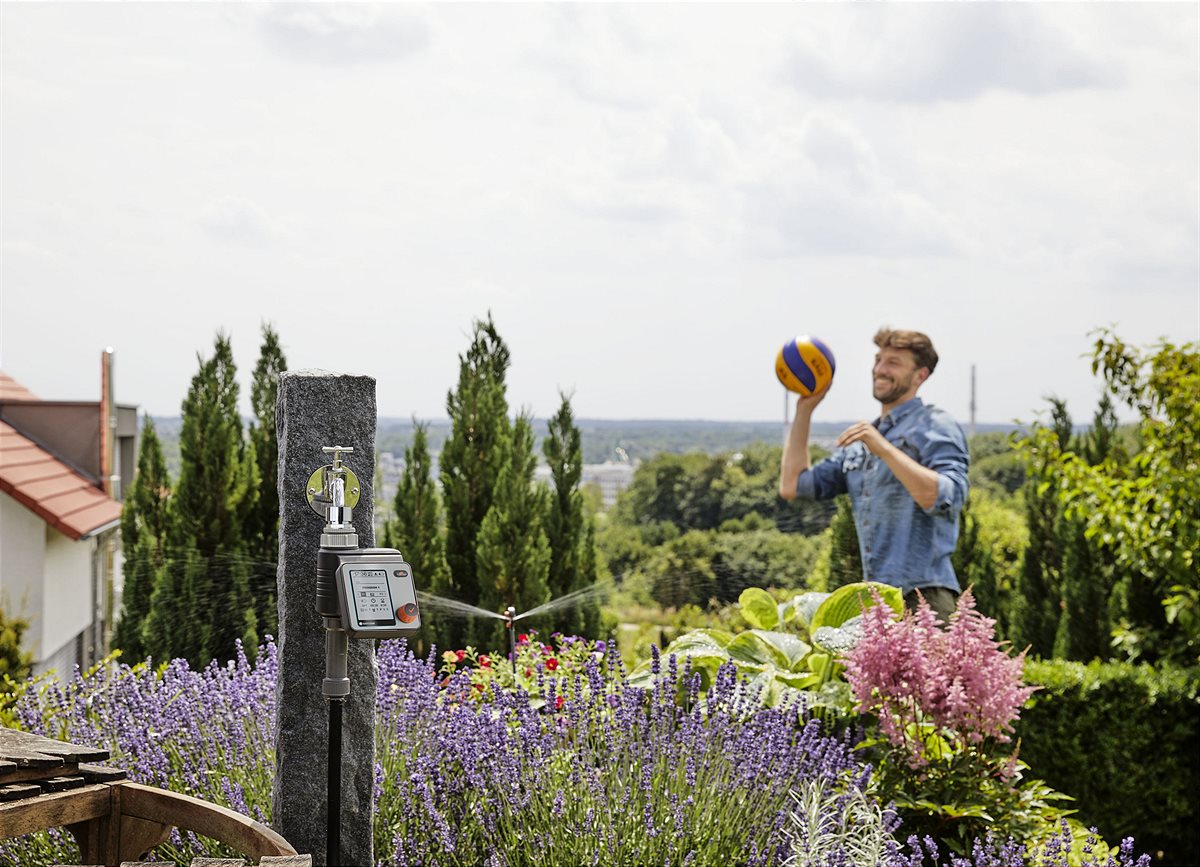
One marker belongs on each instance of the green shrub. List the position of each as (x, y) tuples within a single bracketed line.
[(1123, 740)]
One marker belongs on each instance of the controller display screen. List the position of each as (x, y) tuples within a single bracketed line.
[(372, 598)]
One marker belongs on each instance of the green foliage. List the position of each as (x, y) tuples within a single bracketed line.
[(701, 492), (145, 518), (416, 527), (1122, 740), (201, 601), (511, 549), (568, 529), (1147, 510), (15, 664), (681, 570), (996, 468), (789, 653), (475, 453), (845, 556), (261, 527), (1036, 607)]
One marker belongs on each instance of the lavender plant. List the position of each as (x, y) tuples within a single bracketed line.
[(207, 733), (604, 773)]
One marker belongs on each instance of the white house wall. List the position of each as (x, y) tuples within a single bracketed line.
[(22, 565), (67, 604)]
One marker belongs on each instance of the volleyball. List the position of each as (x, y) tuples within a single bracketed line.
[(805, 365)]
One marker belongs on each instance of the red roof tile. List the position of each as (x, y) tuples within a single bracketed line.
[(10, 389), (53, 491)]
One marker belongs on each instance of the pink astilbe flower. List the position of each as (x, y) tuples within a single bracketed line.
[(959, 679)]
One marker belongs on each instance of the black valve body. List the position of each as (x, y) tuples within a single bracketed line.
[(327, 595)]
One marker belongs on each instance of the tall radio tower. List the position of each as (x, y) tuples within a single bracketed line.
[(972, 400)]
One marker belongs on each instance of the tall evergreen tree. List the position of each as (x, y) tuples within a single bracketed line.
[(477, 449), (145, 519), (845, 556), (416, 528), (1088, 566), (1037, 604), (511, 550), (975, 567), (566, 526), (261, 529), (201, 601)]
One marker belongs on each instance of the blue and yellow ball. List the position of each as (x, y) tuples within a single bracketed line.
[(805, 365)]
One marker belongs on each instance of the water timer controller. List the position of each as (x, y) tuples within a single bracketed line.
[(376, 594)]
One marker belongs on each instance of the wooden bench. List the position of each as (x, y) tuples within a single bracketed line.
[(46, 783)]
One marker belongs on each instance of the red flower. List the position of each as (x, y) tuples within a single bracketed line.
[(478, 686), (529, 672), (522, 638), (484, 661), (551, 664), (461, 654), (558, 703)]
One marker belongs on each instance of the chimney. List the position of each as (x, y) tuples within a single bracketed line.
[(110, 475)]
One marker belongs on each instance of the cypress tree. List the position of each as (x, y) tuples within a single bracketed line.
[(566, 525), (201, 601), (476, 450), (975, 567), (261, 528), (144, 522), (1088, 567), (416, 528), (1037, 605), (845, 557), (512, 552)]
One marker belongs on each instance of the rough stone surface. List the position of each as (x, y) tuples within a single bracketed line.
[(318, 408)]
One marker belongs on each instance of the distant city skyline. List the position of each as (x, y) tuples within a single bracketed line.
[(649, 198)]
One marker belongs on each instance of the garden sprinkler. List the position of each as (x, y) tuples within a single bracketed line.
[(510, 614), (361, 593)]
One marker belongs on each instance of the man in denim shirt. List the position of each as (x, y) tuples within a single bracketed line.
[(906, 474)]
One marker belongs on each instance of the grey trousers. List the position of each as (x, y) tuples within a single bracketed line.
[(941, 599)]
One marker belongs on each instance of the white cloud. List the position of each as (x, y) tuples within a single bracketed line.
[(940, 52), (239, 221), (344, 33), (821, 191)]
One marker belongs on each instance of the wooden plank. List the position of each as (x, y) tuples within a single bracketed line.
[(16, 791), (62, 784), (32, 775), (218, 862), (29, 750), (191, 814), (286, 861), (101, 773), (51, 811)]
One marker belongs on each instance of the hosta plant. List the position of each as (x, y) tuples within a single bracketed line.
[(790, 652)]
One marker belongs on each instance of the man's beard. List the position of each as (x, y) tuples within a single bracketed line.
[(898, 388)]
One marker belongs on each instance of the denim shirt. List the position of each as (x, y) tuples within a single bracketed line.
[(901, 544)]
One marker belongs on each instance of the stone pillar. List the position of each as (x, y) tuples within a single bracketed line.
[(317, 408)]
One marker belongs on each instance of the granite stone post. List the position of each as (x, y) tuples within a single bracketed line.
[(317, 408)]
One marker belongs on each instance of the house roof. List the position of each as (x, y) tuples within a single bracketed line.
[(53, 491), (10, 389)]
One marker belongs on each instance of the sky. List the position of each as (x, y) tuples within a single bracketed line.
[(649, 199)]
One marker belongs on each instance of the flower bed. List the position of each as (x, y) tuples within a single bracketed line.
[(572, 765)]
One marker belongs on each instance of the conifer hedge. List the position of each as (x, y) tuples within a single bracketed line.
[(1124, 741)]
